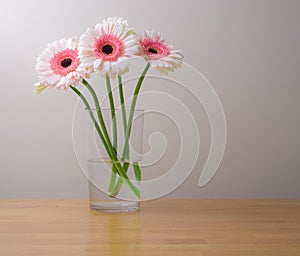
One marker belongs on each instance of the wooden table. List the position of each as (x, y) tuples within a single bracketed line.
[(162, 227)]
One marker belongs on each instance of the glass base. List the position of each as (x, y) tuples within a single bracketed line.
[(115, 206)]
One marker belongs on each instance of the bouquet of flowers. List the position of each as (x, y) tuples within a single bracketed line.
[(106, 49)]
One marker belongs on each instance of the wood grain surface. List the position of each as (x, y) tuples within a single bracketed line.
[(162, 227)]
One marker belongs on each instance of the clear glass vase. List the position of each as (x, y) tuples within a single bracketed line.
[(114, 181)]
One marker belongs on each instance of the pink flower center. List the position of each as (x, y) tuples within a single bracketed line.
[(154, 49), (108, 47), (64, 62)]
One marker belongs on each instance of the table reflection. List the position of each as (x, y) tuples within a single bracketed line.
[(114, 234)]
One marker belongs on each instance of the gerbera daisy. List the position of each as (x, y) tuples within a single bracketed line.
[(108, 47), (160, 55), (59, 65)]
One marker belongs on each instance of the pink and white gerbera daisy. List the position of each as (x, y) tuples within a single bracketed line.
[(59, 65), (160, 55), (108, 47)]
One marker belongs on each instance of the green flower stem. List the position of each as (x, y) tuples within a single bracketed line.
[(127, 135), (98, 110), (137, 173), (119, 183), (124, 176), (113, 174), (121, 93), (132, 107), (114, 123), (104, 129), (85, 102), (113, 114), (108, 148), (112, 180)]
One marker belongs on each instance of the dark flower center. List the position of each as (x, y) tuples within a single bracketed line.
[(66, 62), (107, 49), (152, 50)]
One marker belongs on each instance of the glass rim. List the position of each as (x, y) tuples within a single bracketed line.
[(108, 160), (109, 109)]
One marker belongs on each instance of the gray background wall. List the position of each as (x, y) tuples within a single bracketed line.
[(248, 50)]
